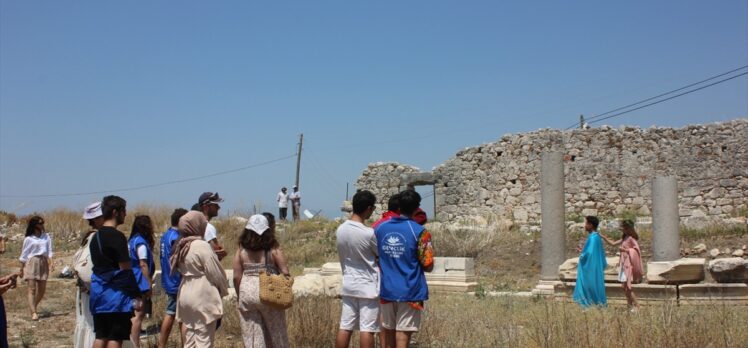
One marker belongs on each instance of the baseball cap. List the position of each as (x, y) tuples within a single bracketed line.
[(209, 198), (257, 223), (92, 211)]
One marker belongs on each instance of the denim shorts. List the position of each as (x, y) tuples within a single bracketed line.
[(171, 304)]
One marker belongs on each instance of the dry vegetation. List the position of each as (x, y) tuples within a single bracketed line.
[(505, 260)]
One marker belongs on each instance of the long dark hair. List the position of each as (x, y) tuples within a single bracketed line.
[(144, 227), (250, 240), (33, 222), (628, 225)]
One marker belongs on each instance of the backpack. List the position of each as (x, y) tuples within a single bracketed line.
[(83, 265)]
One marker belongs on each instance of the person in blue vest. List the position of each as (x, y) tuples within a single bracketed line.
[(170, 282), (140, 246), (405, 253), (590, 287), (114, 290)]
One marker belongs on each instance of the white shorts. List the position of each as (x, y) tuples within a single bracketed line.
[(400, 316), (360, 314)]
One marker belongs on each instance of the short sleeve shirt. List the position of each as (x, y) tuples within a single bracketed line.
[(210, 233), (357, 249), (108, 248)]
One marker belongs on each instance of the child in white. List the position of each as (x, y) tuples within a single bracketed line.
[(357, 249)]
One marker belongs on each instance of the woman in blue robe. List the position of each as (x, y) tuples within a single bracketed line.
[(590, 287)]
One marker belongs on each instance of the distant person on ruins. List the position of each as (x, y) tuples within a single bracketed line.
[(631, 269), (170, 280), (114, 290), (295, 198), (262, 325), (83, 335), (209, 205), (282, 200), (405, 253), (140, 245), (203, 285), (357, 250), (590, 287), (35, 267)]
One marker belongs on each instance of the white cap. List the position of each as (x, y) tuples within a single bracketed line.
[(92, 211), (257, 223)]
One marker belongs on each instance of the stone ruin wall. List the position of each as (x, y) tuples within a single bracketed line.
[(607, 171)]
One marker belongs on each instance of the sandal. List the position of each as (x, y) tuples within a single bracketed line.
[(34, 317)]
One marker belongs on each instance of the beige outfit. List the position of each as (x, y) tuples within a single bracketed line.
[(199, 302), (36, 268), (262, 325)]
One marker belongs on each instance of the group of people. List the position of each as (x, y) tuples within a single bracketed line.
[(283, 197), (115, 276), (384, 284), (590, 285)]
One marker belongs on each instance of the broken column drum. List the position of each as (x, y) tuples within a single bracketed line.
[(665, 219), (553, 234)]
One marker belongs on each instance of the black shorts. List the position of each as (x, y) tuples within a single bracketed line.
[(112, 326)]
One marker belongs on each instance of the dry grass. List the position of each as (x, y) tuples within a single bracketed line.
[(505, 259)]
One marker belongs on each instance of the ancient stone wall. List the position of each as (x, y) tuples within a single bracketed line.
[(607, 171)]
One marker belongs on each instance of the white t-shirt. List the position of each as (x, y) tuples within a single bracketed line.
[(282, 200), (210, 233), (142, 252), (357, 249)]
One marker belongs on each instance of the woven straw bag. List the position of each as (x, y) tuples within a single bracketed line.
[(275, 289)]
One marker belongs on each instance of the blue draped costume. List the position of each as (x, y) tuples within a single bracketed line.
[(590, 288)]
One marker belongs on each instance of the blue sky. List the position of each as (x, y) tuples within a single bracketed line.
[(98, 95)]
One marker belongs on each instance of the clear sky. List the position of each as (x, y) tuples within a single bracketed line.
[(102, 95)]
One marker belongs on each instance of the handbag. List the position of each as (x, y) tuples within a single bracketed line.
[(276, 290)]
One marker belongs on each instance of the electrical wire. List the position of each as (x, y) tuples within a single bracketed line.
[(596, 117), (171, 182)]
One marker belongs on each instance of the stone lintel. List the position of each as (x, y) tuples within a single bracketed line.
[(417, 179)]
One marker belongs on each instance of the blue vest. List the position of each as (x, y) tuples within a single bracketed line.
[(135, 261), (109, 292), (403, 278), (169, 282)]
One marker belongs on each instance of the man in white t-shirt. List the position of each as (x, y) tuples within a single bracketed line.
[(208, 203), (357, 249), (282, 200), (295, 198)]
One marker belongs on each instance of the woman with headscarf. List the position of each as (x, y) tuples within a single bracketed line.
[(35, 255), (204, 282)]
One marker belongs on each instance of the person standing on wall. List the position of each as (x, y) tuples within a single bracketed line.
[(35, 267), (208, 203), (295, 198), (282, 200), (357, 250)]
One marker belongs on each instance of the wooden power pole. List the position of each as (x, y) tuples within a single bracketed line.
[(298, 158)]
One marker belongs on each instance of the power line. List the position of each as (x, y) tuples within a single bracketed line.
[(134, 188), (666, 99), (658, 96)]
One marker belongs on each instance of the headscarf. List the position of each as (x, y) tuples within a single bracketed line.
[(191, 228)]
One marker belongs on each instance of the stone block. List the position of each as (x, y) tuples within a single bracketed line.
[(729, 270), (645, 293), (681, 271), (710, 293), (567, 271)]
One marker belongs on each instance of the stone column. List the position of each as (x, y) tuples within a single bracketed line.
[(552, 210), (665, 219)]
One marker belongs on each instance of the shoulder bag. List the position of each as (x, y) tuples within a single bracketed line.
[(276, 290)]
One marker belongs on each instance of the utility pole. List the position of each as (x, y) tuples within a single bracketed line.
[(298, 158), (581, 121)]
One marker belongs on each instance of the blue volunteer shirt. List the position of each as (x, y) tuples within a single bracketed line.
[(403, 278), (169, 282), (133, 244)]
